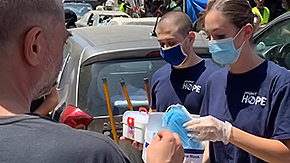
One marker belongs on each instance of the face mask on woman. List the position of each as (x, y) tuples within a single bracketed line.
[(223, 51), (174, 55)]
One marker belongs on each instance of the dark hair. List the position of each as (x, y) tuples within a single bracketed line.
[(238, 12), (70, 18), (180, 19), (287, 3)]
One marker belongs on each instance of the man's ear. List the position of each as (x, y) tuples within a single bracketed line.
[(248, 31), (191, 37), (33, 46)]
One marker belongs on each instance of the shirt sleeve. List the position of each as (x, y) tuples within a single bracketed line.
[(279, 118)]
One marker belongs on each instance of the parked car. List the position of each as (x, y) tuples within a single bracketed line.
[(78, 8), (99, 18), (114, 52), (94, 3), (272, 42), (151, 21), (130, 53)]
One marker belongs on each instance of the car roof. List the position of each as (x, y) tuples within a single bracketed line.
[(98, 41), (108, 12), (134, 19), (77, 4)]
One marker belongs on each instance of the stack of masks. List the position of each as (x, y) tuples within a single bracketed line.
[(173, 120)]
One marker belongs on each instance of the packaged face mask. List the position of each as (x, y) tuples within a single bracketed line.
[(173, 120)]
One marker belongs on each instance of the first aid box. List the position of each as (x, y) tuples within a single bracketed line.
[(134, 124)]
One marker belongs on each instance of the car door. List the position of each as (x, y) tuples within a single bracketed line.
[(273, 41)]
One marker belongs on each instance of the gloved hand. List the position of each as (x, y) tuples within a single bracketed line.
[(209, 129)]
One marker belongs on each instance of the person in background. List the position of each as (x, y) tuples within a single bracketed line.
[(262, 11), (155, 7), (245, 112), (286, 5), (275, 8), (70, 18), (122, 6), (44, 105), (174, 6)]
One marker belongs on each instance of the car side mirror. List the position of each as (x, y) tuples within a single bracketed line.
[(75, 118)]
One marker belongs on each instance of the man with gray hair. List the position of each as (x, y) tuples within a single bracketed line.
[(32, 35)]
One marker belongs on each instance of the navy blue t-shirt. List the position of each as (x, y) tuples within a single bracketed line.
[(257, 102), (183, 86)]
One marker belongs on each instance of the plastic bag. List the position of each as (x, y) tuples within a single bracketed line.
[(173, 120)]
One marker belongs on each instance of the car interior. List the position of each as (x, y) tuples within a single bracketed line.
[(131, 71), (274, 45)]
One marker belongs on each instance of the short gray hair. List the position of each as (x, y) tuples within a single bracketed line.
[(17, 16)]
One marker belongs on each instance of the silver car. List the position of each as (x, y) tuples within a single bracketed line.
[(129, 53), (78, 8), (133, 21)]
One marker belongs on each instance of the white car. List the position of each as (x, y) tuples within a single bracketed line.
[(151, 21), (99, 18)]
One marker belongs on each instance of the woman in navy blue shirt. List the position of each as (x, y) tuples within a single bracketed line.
[(246, 105)]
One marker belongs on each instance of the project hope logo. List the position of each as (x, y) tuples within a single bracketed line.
[(252, 99), (189, 85)]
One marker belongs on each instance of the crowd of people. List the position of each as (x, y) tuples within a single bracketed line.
[(149, 8), (267, 10)]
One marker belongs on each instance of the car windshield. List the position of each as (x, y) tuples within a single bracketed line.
[(91, 96), (274, 45), (80, 10)]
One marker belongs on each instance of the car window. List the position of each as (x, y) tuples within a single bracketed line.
[(91, 96), (80, 10), (113, 23), (85, 18), (105, 19), (274, 44)]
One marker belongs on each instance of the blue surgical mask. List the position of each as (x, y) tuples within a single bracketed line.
[(173, 120), (223, 51), (174, 55)]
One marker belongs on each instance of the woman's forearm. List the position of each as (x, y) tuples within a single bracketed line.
[(266, 149)]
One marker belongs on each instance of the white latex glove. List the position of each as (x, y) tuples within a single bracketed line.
[(209, 129)]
